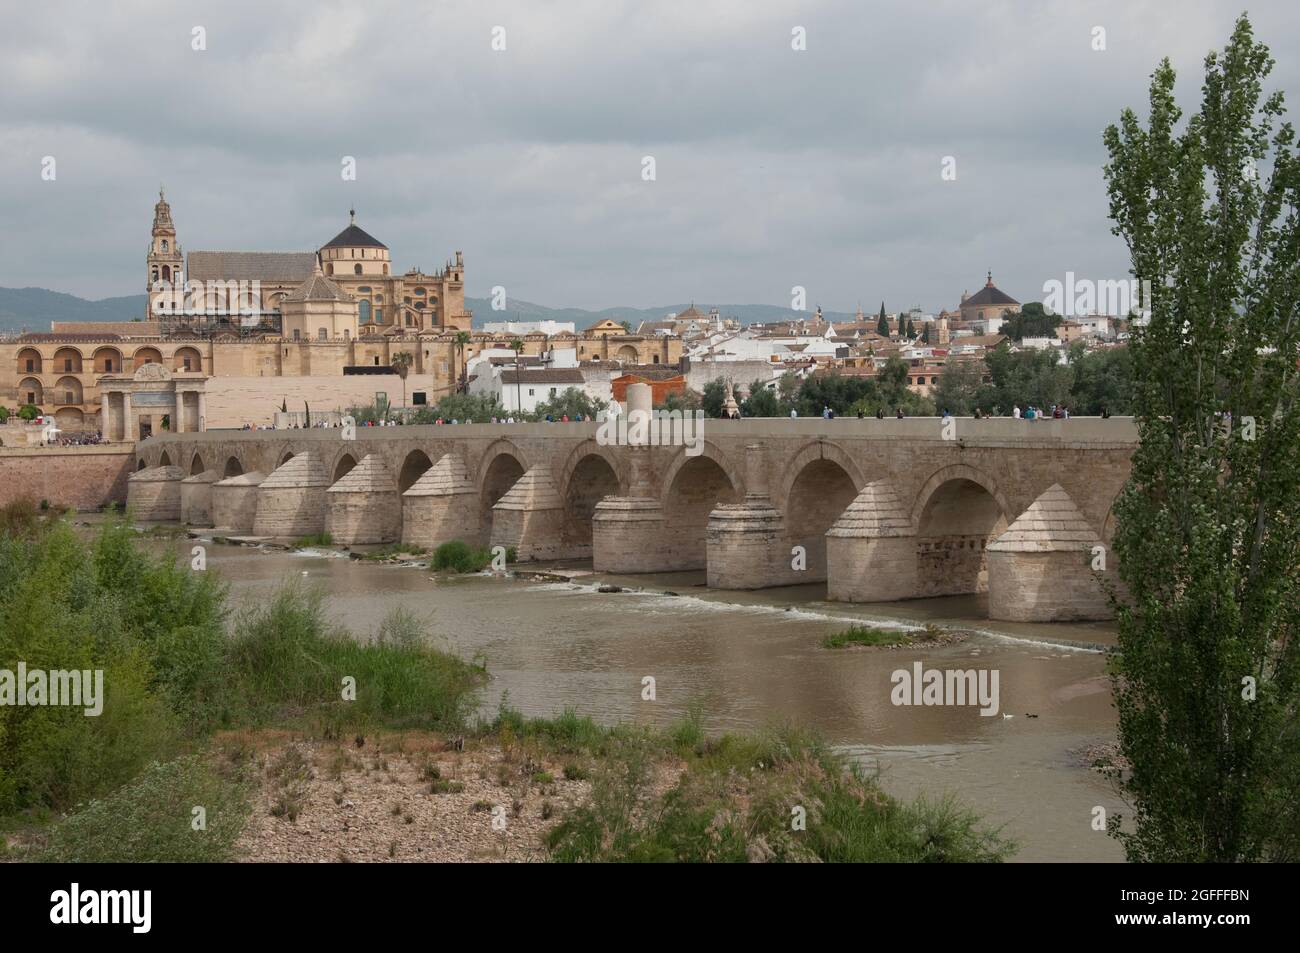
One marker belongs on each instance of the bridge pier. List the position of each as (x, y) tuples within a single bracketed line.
[(362, 507), (1040, 568), (871, 549), (441, 506), (196, 498), (291, 501), (531, 518), (155, 494), (629, 534), (747, 543), (234, 502)]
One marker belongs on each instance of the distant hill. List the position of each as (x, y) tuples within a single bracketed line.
[(33, 309)]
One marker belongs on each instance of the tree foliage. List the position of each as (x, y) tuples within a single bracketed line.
[(1031, 321), (1208, 544)]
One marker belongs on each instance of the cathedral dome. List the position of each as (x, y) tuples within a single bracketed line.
[(355, 252), (354, 237)]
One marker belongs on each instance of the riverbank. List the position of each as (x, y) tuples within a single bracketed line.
[(228, 730), (746, 660)]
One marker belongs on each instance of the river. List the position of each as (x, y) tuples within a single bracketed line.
[(752, 659)]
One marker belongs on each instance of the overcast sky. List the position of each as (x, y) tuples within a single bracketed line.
[(774, 167)]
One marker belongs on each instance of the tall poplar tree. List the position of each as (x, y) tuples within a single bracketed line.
[(1208, 533)]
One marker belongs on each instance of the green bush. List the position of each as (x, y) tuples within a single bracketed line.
[(734, 803), (861, 635), (287, 661), (151, 820), (458, 556)]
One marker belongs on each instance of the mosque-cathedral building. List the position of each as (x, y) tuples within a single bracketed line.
[(239, 332)]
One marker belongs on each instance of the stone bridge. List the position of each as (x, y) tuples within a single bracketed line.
[(878, 509)]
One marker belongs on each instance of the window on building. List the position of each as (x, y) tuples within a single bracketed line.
[(356, 269), (322, 335), (31, 365), (552, 391), (363, 311), (530, 392), (347, 335), (376, 361), (186, 363), (379, 315), (67, 364), (67, 397), (329, 269), (297, 335), (164, 245)]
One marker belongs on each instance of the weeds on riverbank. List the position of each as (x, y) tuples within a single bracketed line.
[(392, 551), (931, 635), (152, 819), (458, 556), (172, 674), (313, 539), (861, 635), (782, 795)]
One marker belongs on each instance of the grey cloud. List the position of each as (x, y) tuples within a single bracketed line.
[(775, 168)]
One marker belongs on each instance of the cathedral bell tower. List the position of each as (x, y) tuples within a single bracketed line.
[(165, 264)]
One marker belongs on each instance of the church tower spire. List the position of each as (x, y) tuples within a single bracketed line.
[(164, 265)]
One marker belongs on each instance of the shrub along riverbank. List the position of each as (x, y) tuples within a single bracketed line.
[(179, 667)]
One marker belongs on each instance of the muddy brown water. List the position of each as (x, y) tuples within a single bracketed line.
[(751, 659)]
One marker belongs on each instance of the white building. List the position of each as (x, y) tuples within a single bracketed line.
[(527, 387), (530, 327)]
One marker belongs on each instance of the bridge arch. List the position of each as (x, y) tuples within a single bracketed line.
[(710, 451), (809, 453), (693, 487), (413, 467), (196, 464), (590, 474), (343, 466), (234, 467), (958, 512), (501, 467), (284, 458), (588, 448), (164, 460), (817, 486)]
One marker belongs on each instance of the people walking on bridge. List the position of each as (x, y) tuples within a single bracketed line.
[(1015, 411)]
